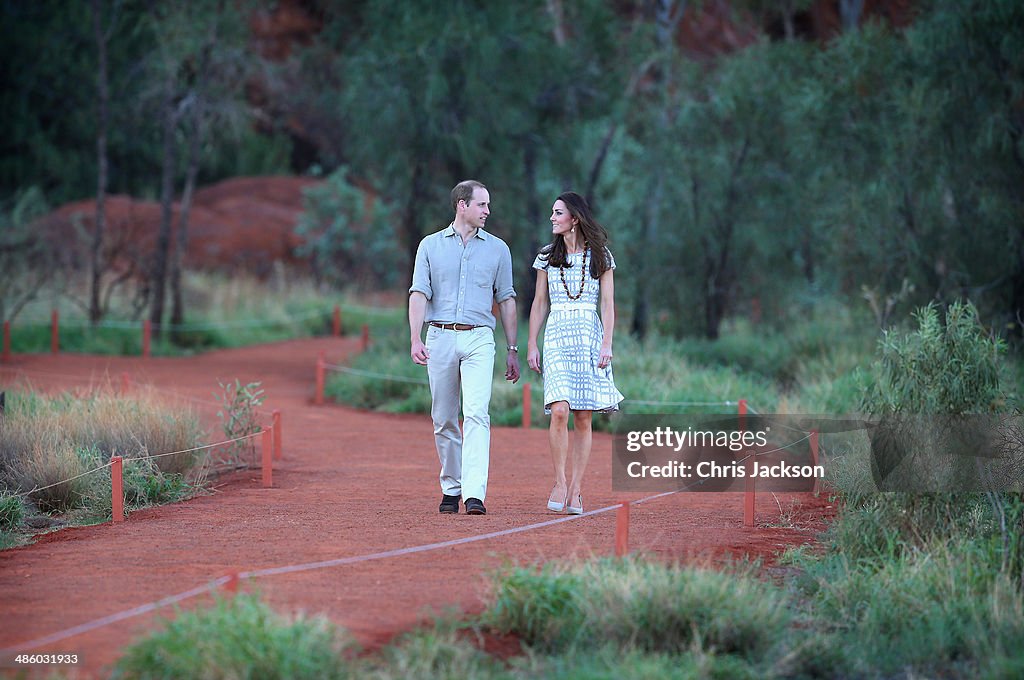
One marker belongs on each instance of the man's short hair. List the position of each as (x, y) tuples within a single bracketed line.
[(463, 191)]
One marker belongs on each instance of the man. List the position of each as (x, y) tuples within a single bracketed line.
[(460, 272)]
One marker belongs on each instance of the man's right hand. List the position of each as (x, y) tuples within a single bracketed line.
[(420, 352)]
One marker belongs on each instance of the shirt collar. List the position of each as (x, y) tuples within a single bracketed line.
[(480, 233)]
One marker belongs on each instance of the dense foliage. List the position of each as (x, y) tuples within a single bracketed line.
[(885, 163)]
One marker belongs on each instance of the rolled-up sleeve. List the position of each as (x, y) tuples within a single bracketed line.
[(421, 272), (503, 288)]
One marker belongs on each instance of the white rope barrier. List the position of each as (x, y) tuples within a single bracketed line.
[(642, 402), (200, 448), (63, 481), (131, 325), (371, 374), (293, 568), (533, 386)]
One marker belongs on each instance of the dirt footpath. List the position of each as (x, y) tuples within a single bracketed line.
[(351, 484)]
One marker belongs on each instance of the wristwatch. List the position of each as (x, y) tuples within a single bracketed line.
[(513, 348)]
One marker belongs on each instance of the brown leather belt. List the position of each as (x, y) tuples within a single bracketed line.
[(453, 326)]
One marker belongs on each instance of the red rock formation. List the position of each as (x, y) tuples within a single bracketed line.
[(244, 223)]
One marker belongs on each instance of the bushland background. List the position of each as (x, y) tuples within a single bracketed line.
[(751, 159), (817, 205)]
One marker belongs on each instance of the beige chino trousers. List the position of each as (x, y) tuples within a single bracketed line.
[(461, 360)]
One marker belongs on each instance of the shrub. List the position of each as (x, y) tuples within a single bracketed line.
[(634, 604), (48, 444), (12, 511), (239, 637), (950, 368), (946, 608), (239, 418), (435, 652)]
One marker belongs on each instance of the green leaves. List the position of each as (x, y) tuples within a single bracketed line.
[(941, 368), (349, 234)]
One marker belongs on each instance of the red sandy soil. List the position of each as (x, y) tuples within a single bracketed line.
[(350, 483)]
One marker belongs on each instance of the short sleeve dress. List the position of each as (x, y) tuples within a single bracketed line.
[(572, 341)]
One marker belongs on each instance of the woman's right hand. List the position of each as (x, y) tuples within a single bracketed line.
[(533, 358)]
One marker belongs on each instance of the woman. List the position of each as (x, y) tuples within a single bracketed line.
[(574, 274)]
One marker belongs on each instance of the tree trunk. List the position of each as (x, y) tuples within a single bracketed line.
[(177, 300), (718, 270), (103, 95), (554, 8), (807, 254), (641, 321), (849, 12), (788, 24), (533, 217), (411, 219), (667, 16), (158, 271)]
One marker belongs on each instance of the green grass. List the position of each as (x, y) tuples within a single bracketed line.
[(240, 637), (905, 586), (649, 371), (12, 511), (812, 365), (221, 312), (638, 605), (944, 608), (443, 650), (55, 453)]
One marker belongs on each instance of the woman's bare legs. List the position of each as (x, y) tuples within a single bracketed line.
[(558, 438), (581, 445)]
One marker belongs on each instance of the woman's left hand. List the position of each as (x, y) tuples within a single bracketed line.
[(605, 358)]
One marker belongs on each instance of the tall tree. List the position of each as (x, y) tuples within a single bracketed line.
[(96, 266), (189, 53), (665, 16), (968, 61), (212, 84), (27, 257), (423, 96)]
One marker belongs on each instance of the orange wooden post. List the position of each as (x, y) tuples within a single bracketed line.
[(277, 434), (147, 337), (125, 382), (336, 322), (231, 585), (7, 343), (814, 460), (54, 332), (318, 398), (366, 337), (622, 530), (268, 453), (526, 405), (749, 497), (116, 489)]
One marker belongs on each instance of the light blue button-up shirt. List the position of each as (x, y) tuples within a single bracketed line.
[(461, 282)]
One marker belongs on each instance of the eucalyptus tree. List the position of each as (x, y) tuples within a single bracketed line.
[(419, 96), (27, 259), (199, 72), (969, 58), (217, 107)]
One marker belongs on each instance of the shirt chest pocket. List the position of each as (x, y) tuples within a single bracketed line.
[(480, 288), (482, 275)]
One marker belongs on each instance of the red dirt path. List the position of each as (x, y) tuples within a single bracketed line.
[(351, 483)]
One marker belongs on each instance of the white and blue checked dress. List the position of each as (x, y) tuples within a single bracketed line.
[(572, 342)]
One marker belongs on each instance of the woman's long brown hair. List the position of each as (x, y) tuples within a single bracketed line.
[(594, 236)]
